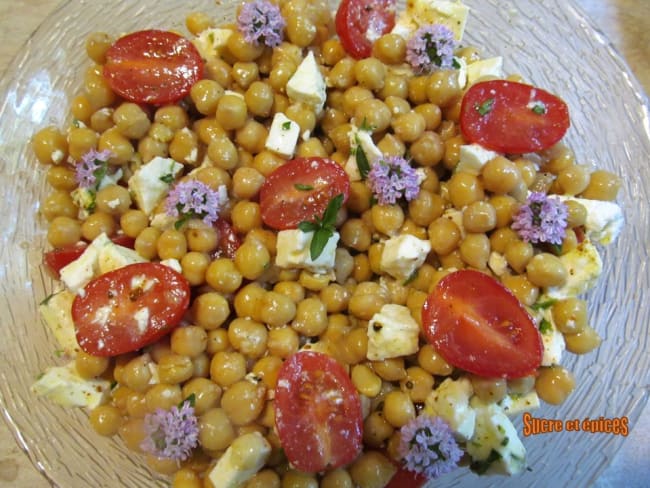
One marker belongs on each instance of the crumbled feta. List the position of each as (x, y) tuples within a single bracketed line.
[(307, 84), (422, 12), (497, 263), (360, 138), (450, 401), (403, 255), (283, 135), (142, 319), (473, 157), (293, 251), (495, 441), (515, 404), (64, 386), (210, 42), (245, 457), (392, 332), (112, 256), (484, 67), (57, 314), (151, 182), (604, 219), (173, 264), (584, 266)]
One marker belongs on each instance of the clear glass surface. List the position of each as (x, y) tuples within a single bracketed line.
[(549, 42)]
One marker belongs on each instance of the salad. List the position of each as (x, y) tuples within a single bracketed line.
[(330, 248)]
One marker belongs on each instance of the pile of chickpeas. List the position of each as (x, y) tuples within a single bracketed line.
[(249, 316)]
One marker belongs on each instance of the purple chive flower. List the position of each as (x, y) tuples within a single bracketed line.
[(427, 446), (541, 219), (431, 47), (391, 178), (193, 199), (92, 168), (171, 433), (261, 22)]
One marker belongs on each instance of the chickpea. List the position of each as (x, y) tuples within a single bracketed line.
[(545, 270), (554, 384)]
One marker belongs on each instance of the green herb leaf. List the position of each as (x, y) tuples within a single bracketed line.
[(303, 187), (486, 107), (481, 467), (362, 160), (168, 178), (59, 353), (545, 326), (505, 441), (543, 305), (308, 226), (539, 108), (366, 126), (113, 384), (76, 123), (454, 63), (182, 221), (47, 299), (190, 399), (332, 210), (100, 172), (286, 125), (319, 241)]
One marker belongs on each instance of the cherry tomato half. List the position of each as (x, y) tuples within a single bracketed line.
[(512, 117), (317, 413), (359, 23), (476, 324), (228, 242), (152, 66), (300, 190), (57, 258), (406, 479), (128, 308)]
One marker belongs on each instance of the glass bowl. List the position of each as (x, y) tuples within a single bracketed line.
[(549, 42)]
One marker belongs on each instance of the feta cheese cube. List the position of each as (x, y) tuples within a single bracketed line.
[(495, 446), (360, 140), (452, 14), (283, 135), (64, 386), (450, 401), (245, 457), (552, 341), (211, 42), (584, 266), (293, 251), (604, 219), (392, 332), (112, 256), (515, 404), (473, 157), (497, 263), (403, 255), (307, 84), (57, 314), (151, 182), (484, 67)]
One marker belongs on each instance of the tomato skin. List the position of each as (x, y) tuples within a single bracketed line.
[(228, 240), (511, 124), (60, 257), (152, 66), (406, 479), (478, 325), (317, 413), (166, 295), (354, 18), (283, 206)]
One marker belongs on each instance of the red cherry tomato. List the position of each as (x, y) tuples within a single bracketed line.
[(477, 325), (512, 117), (152, 66), (228, 241), (406, 479), (300, 190), (57, 258), (128, 308), (317, 413), (360, 22)]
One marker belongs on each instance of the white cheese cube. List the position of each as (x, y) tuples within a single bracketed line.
[(473, 157), (497, 263), (456, 216), (452, 14), (604, 219), (151, 182), (552, 341), (484, 67), (79, 272), (173, 264), (403, 255), (495, 446), (112, 256), (362, 139), (283, 135), (450, 401), (462, 72), (210, 42), (392, 332), (57, 314), (584, 266), (245, 457), (307, 84), (64, 386), (293, 251), (515, 404)]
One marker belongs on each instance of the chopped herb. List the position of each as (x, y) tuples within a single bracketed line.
[(168, 178), (481, 467), (455, 64), (556, 248), (47, 299), (303, 187), (362, 160), (366, 126), (113, 384), (286, 125), (539, 108), (59, 353), (543, 305), (486, 107), (545, 326), (323, 228), (191, 399), (505, 441), (76, 123)]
